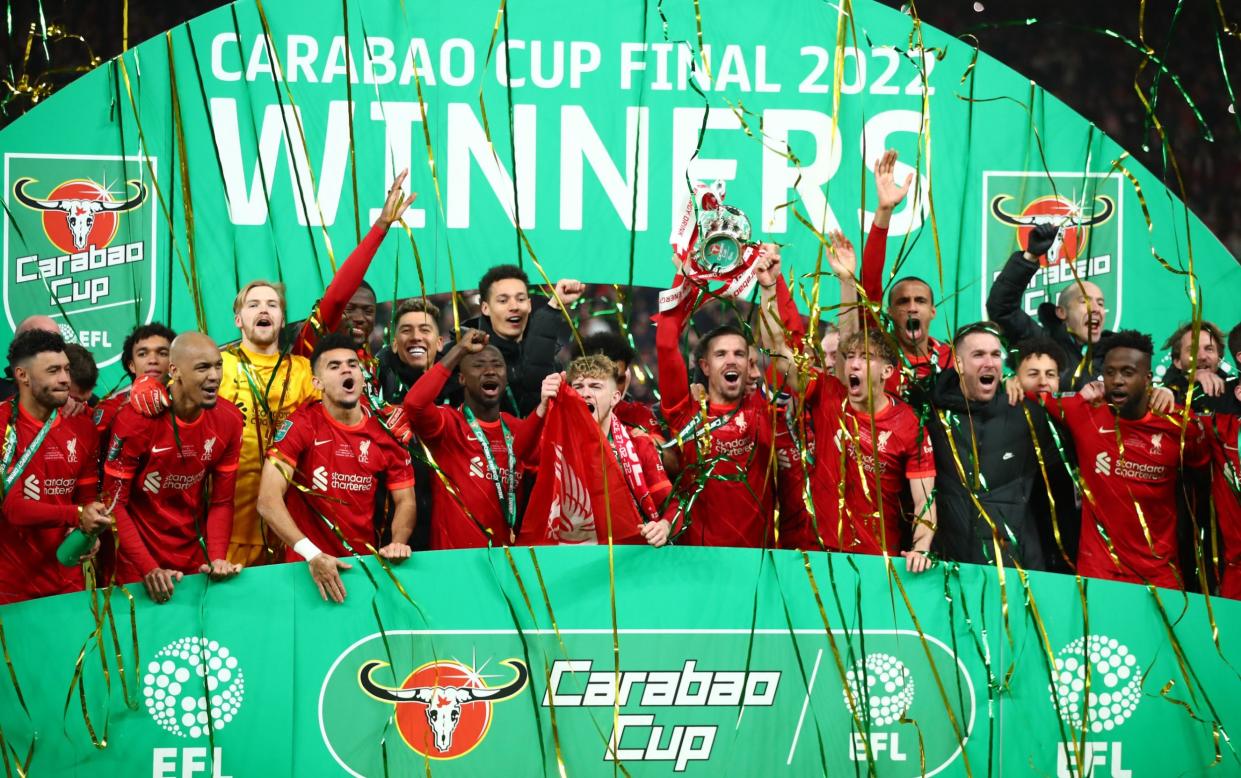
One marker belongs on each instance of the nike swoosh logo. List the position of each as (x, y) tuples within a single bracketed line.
[(321, 442), (1113, 429), (158, 450), (1008, 455)]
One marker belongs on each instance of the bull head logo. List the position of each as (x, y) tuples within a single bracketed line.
[(1067, 215), (443, 703), (79, 213)]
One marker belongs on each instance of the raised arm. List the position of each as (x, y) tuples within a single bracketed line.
[(352, 271), (674, 399), (874, 253), (1004, 300)]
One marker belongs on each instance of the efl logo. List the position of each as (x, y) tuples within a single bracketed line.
[(1089, 210), (1096, 687), (443, 709), (80, 245)]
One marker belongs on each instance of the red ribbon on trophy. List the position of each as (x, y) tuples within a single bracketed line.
[(712, 244)]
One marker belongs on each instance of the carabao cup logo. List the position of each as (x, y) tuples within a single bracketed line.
[(1088, 209), (880, 689), (443, 708), (1114, 678), (80, 245), (193, 686)]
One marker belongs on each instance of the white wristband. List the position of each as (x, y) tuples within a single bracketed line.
[(307, 549)]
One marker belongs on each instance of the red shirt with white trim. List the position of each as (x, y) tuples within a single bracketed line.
[(337, 472), (847, 439), (462, 512), (41, 507), (158, 474), (1143, 477)]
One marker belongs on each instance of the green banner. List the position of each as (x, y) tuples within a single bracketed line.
[(515, 662), (264, 138)]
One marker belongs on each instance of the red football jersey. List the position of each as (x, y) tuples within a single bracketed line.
[(847, 439), (472, 503), (157, 475), (731, 482), (796, 523), (920, 367), (736, 504), (336, 476), (41, 507), (1143, 478), (1226, 494), (107, 409)]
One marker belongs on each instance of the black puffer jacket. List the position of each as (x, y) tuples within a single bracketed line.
[(396, 377), (531, 359), (1005, 309), (1007, 473), (1176, 380)]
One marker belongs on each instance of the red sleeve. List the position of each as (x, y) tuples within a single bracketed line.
[(652, 467), (790, 317), (291, 439), (526, 433), (673, 375), (87, 489), (32, 513), (426, 418), (399, 470), (1197, 446), (874, 254), (1059, 408), (223, 486), (920, 462), (124, 460), (344, 284)]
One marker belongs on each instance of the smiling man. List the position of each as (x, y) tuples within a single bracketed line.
[(985, 457), (527, 336), (162, 474)]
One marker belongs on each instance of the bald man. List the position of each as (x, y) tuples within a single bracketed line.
[(1074, 321), (162, 473)]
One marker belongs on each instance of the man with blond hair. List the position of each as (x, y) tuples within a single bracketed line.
[(634, 483)]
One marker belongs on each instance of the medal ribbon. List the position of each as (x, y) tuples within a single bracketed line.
[(10, 448), (508, 502)]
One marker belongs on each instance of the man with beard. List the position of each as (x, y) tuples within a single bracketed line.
[(911, 301), (1216, 396), (1075, 321), (174, 460), (144, 355), (527, 338), (8, 385), (1130, 456), (728, 452), (638, 485), (480, 452), (334, 455), (869, 447), (985, 460), (266, 386), (416, 345), (49, 464)]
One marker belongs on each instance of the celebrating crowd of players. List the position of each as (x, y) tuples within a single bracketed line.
[(876, 439)]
